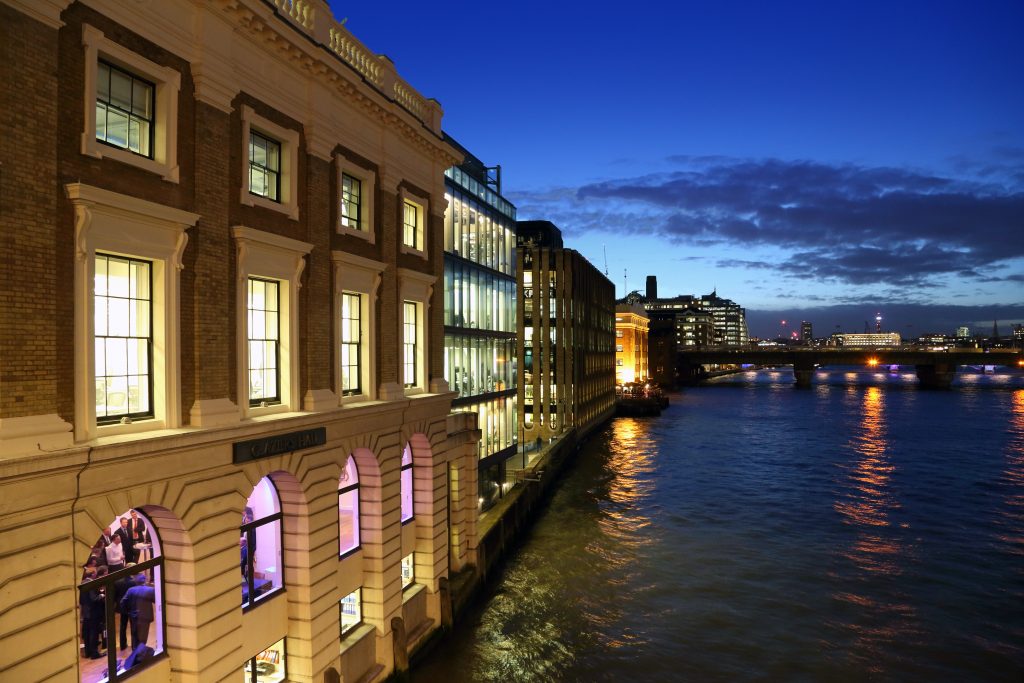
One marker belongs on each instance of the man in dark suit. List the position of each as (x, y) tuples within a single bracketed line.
[(138, 604), (90, 602), (125, 532), (121, 587)]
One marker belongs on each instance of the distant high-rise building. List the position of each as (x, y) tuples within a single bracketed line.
[(963, 332), (652, 287), (806, 332)]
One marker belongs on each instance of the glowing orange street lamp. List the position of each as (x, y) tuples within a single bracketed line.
[(872, 362)]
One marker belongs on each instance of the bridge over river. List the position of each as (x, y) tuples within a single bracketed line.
[(935, 369)]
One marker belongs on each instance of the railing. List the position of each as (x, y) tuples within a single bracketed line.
[(376, 69), (300, 12), (355, 54)]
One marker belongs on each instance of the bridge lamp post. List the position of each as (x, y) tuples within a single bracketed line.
[(872, 362)]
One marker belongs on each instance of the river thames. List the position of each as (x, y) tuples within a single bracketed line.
[(861, 530)]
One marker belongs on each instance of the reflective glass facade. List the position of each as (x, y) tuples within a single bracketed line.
[(480, 316)]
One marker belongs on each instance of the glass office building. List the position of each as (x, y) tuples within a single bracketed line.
[(480, 314)]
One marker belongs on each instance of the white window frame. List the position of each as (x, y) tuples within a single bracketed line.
[(271, 257), (416, 287), (118, 224), (288, 200), (361, 275), (422, 214), (367, 190), (167, 84)]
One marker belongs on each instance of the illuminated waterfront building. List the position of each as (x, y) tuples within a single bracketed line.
[(480, 313), (631, 355), (566, 351), (866, 339), (221, 326)]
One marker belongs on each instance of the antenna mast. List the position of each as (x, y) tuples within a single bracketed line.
[(604, 248)]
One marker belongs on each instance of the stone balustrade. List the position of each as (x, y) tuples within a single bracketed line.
[(314, 18)]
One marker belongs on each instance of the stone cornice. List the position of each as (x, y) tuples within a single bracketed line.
[(300, 52), (45, 11)]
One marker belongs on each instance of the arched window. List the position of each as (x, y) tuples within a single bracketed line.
[(122, 595), (407, 511), (348, 508), (260, 544)]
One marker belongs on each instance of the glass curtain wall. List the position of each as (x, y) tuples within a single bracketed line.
[(480, 317)]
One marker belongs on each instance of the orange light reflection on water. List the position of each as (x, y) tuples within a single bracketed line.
[(875, 552), (1014, 476)]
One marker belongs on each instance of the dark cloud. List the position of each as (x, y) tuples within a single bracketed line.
[(842, 223)]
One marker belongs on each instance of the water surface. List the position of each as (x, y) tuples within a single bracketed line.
[(860, 530)]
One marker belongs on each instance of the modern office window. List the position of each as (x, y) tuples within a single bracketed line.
[(123, 310), (264, 166), (351, 608), (124, 109), (260, 544), (141, 588), (407, 485), (408, 571), (351, 343), (410, 224), (348, 508), (269, 666), (351, 202), (409, 343), (264, 311)]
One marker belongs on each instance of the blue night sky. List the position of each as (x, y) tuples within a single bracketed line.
[(812, 160)]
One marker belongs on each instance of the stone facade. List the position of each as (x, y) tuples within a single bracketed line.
[(218, 68)]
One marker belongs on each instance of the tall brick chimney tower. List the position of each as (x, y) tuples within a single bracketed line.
[(652, 287)]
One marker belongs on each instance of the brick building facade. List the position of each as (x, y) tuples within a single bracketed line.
[(170, 183)]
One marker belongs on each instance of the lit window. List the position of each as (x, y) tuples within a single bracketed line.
[(409, 333), (124, 110), (406, 484), (351, 343), (618, 348), (268, 666), (260, 544), (264, 338), (141, 588), (270, 161), (131, 107), (351, 202), (618, 333), (408, 571), (123, 310), (411, 225), (264, 166), (348, 508), (351, 611)]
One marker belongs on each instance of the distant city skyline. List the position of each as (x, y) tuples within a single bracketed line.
[(810, 160)]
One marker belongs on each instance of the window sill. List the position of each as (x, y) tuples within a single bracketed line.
[(355, 635), (263, 599), (253, 412), (137, 426), (96, 149), (362, 233), (412, 391), (354, 399), (411, 591), (349, 553), (290, 209), (406, 249)]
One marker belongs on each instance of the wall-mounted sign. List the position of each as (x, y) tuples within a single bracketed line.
[(245, 451)]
